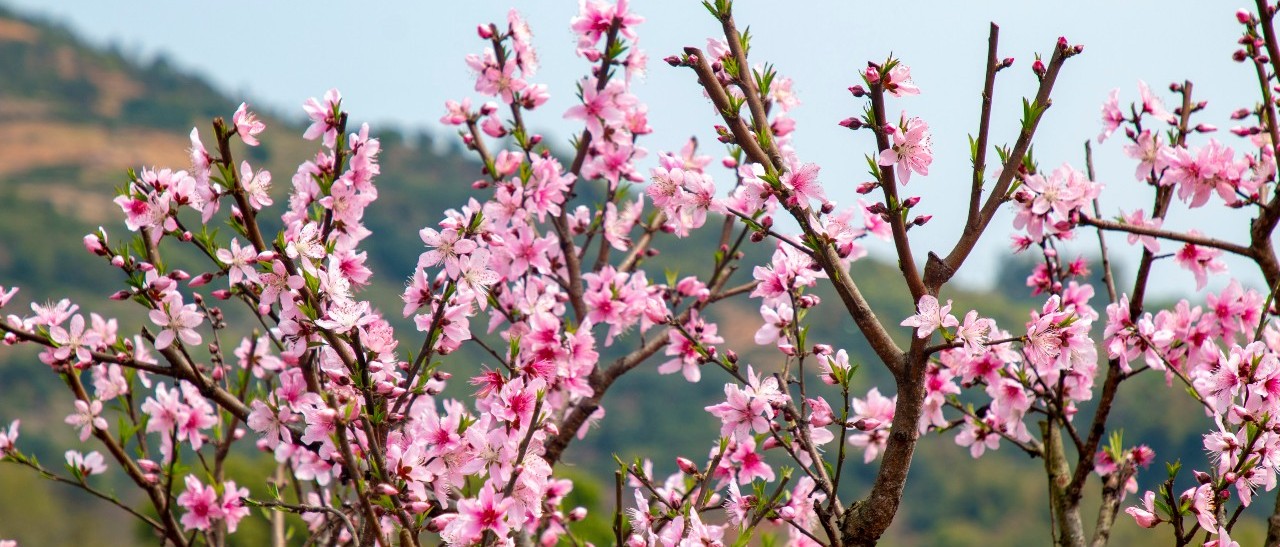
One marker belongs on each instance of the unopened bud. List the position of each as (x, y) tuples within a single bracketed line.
[(485, 31), (857, 91), (121, 295), (921, 220), (1038, 68), (687, 466), (731, 356), (1239, 56), (1007, 62), (1240, 114), (201, 280), (577, 514), (480, 184), (1202, 477), (1243, 16), (1205, 128), (672, 60), (827, 207), (911, 201), (851, 123), (221, 294), (867, 187), (386, 489), (94, 245)]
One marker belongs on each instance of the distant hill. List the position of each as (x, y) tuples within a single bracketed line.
[(74, 118)]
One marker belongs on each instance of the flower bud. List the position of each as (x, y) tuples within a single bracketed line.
[(1243, 16), (1202, 477), (1038, 68), (1239, 56), (867, 187), (120, 295), (221, 294), (857, 91), (201, 280), (484, 31), (687, 466), (921, 220), (94, 245), (1205, 128), (577, 514), (672, 60), (852, 123), (1007, 62), (911, 201), (117, 261)]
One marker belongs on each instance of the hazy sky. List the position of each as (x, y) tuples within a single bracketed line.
[(397, 62)]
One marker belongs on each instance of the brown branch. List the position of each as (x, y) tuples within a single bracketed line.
[(1111, 225), (984, 126)]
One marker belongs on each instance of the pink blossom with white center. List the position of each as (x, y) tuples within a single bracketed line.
[(87, 418), (271, 423), (323, 116), (912, 150), (74, 340), (776, 321), (802, 181), (201, 505), (979, 437), (974, 332), (178, 321), (686, 356), (86, 465), (447, 246), (475, 277), (239, 261), (341, 317), (930, 317), (247, 125), (1153, 105), (257, 185)]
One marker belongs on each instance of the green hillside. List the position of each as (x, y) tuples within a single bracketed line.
[(74, 118)]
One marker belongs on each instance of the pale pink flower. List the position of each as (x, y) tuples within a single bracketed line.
[(201, 504), (87, 418), (912, 150), (247, 125), (178, 321), (86, 464), (930, 316)]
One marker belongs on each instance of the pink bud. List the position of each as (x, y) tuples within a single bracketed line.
[(200, 280), (921, 220), (221, 294), (672, 60), (851, 123), (1243, 16), (1205, 128), (729, 162), (117, 261), (485, 31), (577, 514), (1007, 62), (93, 244), (121, 295), (911, 202), (386, 489), (1038, 68), (857, 91), (867, 187), (687, 466), (419, 507)]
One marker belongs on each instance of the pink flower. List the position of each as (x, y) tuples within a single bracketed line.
[(86, 418), (487, 512), (257, 186), (324, 117), (232, 507), (1112, 117), (898, 81), (201, 504), (912, 150), (86, 464), (9, 439), (930, 317), (1200, 261), (247, 125), (802, 181), (239, 261), (1145, 516), (178, 321)]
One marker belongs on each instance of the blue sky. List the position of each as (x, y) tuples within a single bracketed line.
[(396, 62)]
